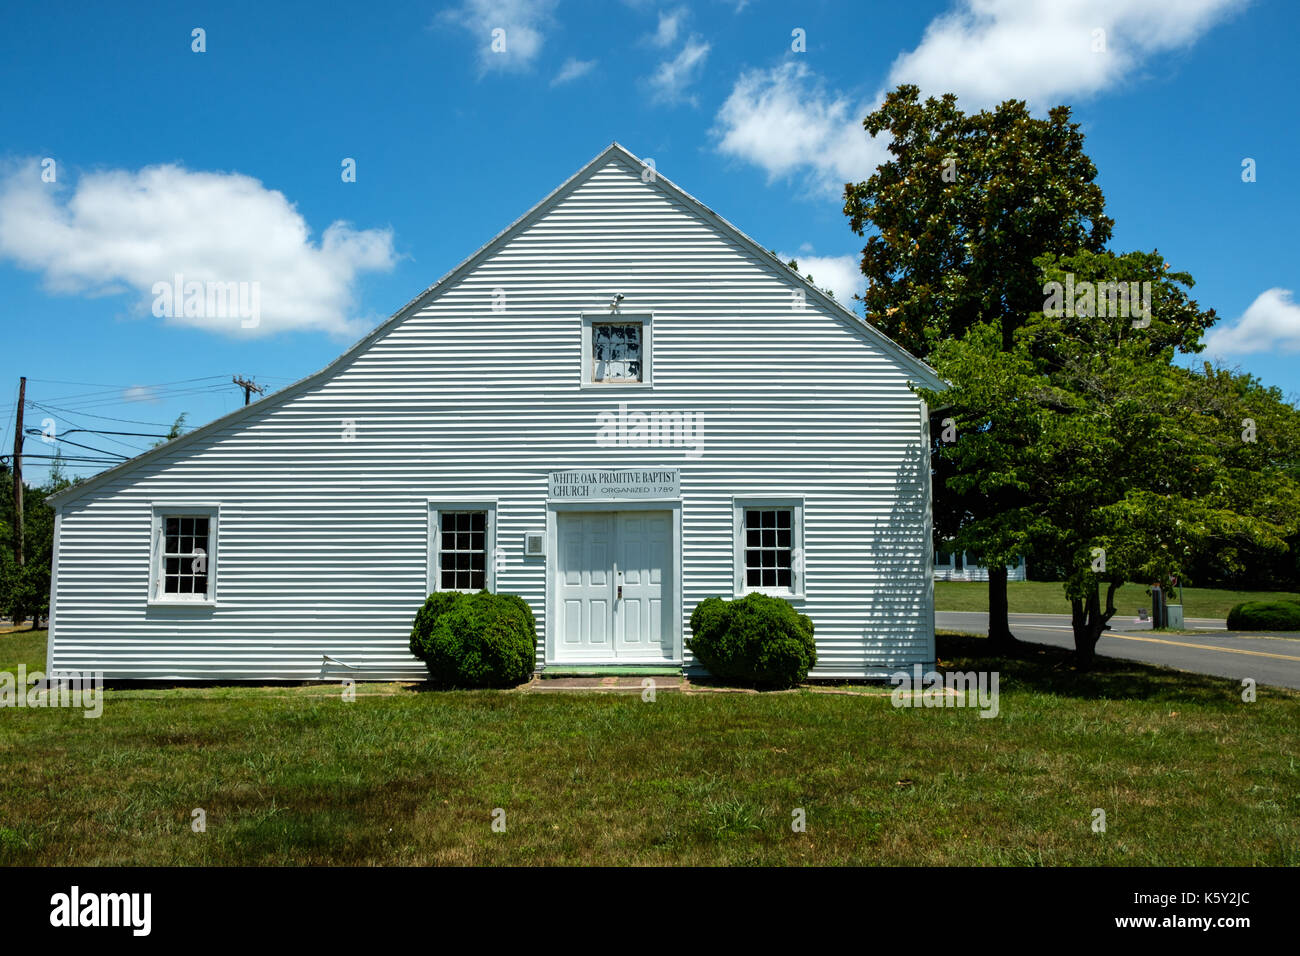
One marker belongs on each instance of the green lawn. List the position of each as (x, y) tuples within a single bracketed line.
[(1186, 772), (1048, 597)]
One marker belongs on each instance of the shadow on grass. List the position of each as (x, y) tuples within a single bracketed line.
[(1053, 670)]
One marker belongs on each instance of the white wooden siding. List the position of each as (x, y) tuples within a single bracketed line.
[(323, 542)]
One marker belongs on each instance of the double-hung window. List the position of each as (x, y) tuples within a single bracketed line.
[(184, 554), (769, 552), (462, 546)]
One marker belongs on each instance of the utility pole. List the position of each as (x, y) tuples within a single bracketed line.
[(19, 612), (18, 473), (246, 386)]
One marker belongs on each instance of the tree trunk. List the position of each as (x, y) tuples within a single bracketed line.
[(1088, 621), (1000, 636)]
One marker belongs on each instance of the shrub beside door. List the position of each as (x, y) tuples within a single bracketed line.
[(475, 640), (756, 640)]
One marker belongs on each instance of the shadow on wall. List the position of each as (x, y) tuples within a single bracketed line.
[(897, 618)]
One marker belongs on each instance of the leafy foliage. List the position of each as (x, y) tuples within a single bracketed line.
[(1122, 465), (758, 640), (475, 640), (1265, 616), (961, 211), (25, 589)]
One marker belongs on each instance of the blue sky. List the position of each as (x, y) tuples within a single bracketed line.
[(226, 164)]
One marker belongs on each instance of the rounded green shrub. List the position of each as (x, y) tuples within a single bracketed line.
[(437, 604), (475, 640), (756, 640), (1265, 616)]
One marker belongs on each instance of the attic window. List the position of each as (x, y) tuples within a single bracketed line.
[(616, 352)]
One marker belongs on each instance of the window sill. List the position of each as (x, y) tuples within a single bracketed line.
[(783, 595), (616, 386), (162, 602)]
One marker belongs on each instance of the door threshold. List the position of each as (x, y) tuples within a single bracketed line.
[(612, 670)]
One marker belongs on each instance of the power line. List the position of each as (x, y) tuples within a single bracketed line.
[(78, 426), (37, 431), (129, 421), (156, 396), (179, 381)]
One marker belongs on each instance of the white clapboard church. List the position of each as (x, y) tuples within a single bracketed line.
[(618, 407)]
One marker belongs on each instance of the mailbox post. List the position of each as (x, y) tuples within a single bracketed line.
[(1159, 615)]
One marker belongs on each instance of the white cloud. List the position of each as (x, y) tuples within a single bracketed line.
[(841, 274), (785, 121), (572, 70), (670, 80), (522, 23), (119, 230), (1270, 324), (670, 23), (987, 51), (139, 393)]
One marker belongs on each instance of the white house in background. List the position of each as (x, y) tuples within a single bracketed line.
[(618, 407), (950, 566)]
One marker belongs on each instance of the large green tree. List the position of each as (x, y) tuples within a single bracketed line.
[(954, 222), (1124, 465)]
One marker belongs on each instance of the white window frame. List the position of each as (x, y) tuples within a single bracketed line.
[(182, 509), (437, 506), (799, 554), (646, 320)]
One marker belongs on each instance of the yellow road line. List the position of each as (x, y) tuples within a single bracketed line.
[(1205, 647)]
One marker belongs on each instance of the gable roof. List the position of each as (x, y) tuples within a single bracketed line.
[(923, 374)]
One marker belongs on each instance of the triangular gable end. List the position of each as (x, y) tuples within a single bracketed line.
[(920, 373)]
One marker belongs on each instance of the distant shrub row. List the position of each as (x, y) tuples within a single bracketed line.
[(1265, 616)]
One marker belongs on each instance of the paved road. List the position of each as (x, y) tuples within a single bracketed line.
[(1273, 660)]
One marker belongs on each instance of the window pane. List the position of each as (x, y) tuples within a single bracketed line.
[(769, 548), (462, 555), (616, 352)]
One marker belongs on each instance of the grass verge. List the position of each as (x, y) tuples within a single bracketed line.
[(1187, 773), (1048, 597)]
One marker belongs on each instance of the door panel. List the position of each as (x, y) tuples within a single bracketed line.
[(599, 552), (642, 547), (585, 582)]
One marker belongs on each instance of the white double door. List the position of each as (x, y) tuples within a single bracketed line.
[(613, 585)]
